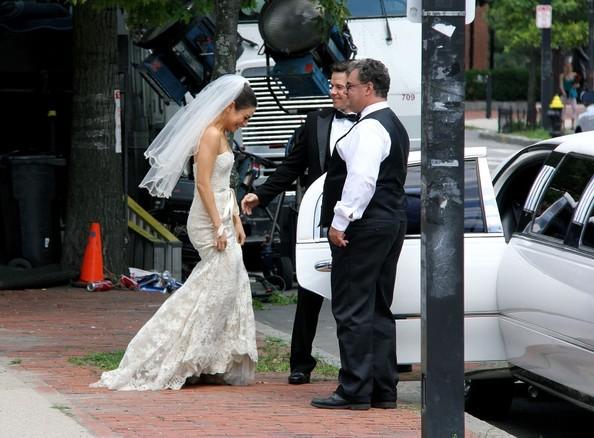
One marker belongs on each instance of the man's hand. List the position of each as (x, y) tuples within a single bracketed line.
[(239, 232), (337, 237), (249, 202)]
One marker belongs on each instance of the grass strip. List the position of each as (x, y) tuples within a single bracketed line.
[(274, 357)]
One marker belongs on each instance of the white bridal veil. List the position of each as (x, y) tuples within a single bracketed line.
[(178, 140)]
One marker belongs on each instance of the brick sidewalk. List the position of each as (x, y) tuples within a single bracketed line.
[(43, 328)]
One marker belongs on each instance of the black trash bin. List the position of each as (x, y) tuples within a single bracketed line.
[(34, 191)]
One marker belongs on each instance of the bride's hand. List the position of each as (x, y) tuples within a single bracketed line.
[(221, 242), (239, 233)]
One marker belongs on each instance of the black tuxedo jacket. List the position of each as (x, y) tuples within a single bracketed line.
[(307, 160)]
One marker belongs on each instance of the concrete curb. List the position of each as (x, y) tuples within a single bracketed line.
[(506, 138)]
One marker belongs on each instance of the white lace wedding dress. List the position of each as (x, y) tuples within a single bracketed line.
[(207, 326)]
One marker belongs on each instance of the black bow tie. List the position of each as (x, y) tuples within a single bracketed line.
[(352, 116)]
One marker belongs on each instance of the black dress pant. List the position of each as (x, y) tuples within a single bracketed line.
[(304, 330), (363, 276)]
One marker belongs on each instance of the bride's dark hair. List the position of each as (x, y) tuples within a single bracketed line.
[(246, 99)]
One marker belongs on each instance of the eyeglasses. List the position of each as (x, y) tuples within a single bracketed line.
[(350, 86), (337, 87)]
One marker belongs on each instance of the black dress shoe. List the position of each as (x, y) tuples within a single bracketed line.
[(298, 378), (335, 401), (383, 404)]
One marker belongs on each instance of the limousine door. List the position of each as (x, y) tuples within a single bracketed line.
[(545, 283), (483, 245)]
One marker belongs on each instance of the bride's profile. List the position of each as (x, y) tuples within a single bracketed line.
[(206, 328)]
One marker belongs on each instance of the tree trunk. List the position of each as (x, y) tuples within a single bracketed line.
[(95, 183), (227, 17), (531, 96)]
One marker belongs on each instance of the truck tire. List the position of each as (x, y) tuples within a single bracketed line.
[(22, 264)]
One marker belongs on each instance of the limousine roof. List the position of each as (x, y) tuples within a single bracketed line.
[(581, 143)]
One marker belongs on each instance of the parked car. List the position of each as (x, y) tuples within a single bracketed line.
[(585, 121), (502, 282)]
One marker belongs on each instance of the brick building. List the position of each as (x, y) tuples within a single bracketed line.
[(477, 48)]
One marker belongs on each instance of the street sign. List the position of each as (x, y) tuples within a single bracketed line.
[(414, 11), (544, 16)]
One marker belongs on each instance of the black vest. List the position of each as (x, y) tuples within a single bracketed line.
[(389, 200)]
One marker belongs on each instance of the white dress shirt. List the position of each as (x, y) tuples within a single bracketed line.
[(339, 128), (363, 150)]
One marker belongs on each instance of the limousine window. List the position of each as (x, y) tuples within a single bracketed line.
[(474, 221), (588, 235), (555, 209)]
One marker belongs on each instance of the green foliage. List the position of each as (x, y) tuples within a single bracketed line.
[(282, 299), (535, 134), (476, 83), (257, 304), (508, 84), (276, 297), (273, 358), (106, 361), (148, 13), (514, 22), (274, 355), (333, 12)]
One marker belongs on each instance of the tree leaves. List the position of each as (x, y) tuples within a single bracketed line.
[(514, 22), (148, 13)]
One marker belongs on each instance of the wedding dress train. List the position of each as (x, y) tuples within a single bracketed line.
[(207, 326)]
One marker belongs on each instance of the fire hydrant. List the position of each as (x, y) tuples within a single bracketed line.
[(554, 114)]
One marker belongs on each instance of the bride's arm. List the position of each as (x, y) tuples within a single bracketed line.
[(205, 159)]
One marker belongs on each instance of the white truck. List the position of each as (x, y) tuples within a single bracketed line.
[(380, 30)]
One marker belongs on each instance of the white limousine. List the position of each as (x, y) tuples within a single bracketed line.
[(529, 270)]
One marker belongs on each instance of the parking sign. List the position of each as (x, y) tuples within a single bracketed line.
[(544, 16)]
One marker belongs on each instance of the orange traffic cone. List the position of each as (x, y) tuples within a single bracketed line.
[(92, 265)]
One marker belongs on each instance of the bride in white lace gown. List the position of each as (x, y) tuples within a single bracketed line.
[(207, 326)]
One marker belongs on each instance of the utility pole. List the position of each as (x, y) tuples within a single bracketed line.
[(442, 218), (590, 81), (543, 21)]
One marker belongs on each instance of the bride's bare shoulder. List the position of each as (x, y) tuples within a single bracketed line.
[(211, 138), (212, 133)]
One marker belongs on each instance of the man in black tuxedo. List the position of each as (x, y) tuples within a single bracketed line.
[(364, 205), (313, 145)]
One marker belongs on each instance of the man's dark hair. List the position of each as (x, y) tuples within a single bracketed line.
[(374, 71), (340, 67), (246, 99)]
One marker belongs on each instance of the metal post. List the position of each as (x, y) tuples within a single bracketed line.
[(590, 81), (442, 219), (489, 95), (546, 71)]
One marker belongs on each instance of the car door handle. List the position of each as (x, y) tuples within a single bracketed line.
[(323, 266)]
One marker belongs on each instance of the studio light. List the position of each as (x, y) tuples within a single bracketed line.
[(303, 53)]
